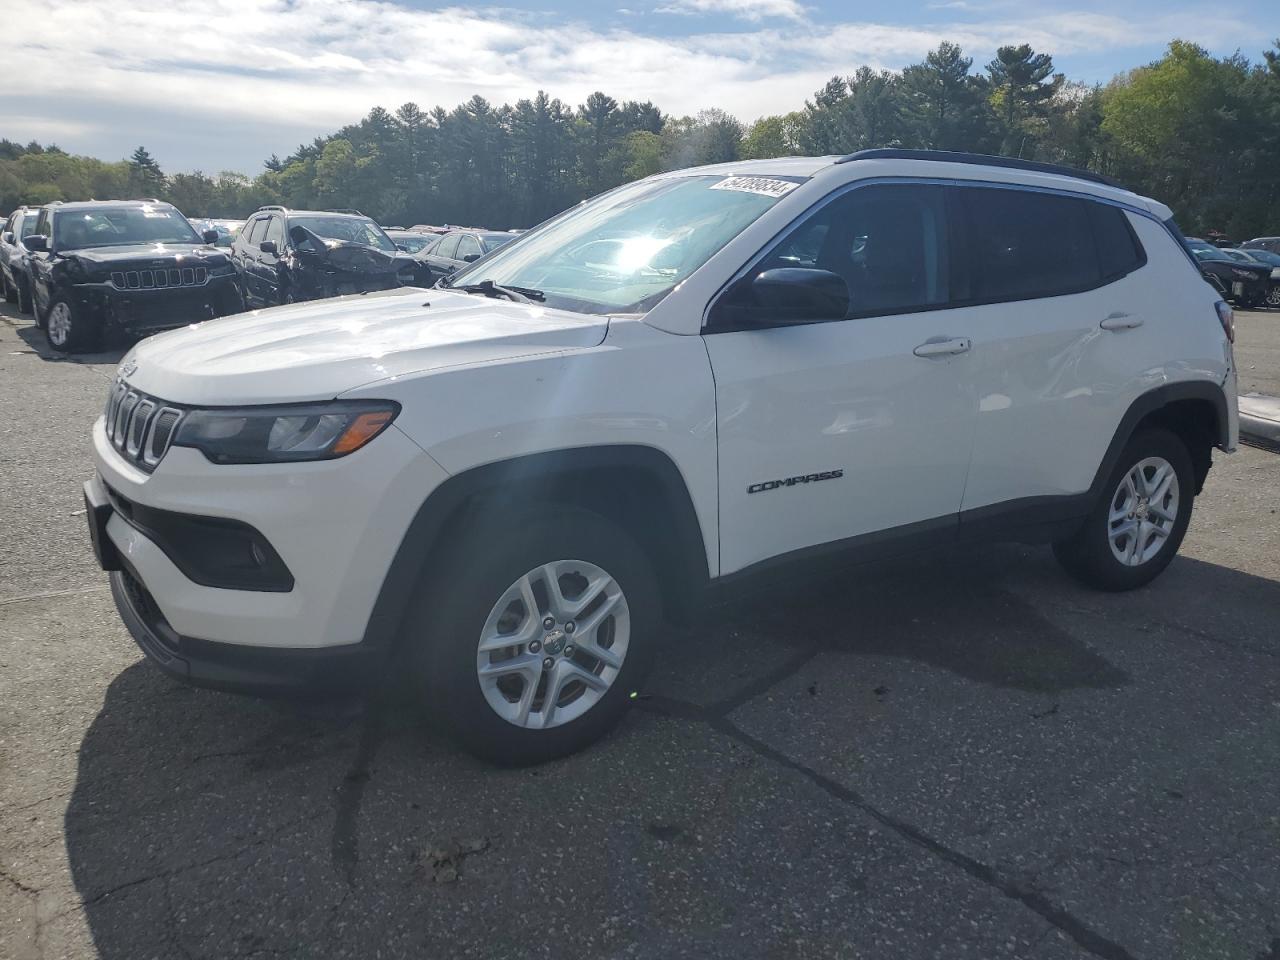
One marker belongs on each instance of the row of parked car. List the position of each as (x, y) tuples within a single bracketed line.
[(1248, 275), (134, 267)]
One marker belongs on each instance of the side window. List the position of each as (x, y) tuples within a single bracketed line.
[(886, 244), (468, 246), (275, 231), (448, 247), (1024, 245), (26, 225), (42, 224), (1119, 250), (258, 233)]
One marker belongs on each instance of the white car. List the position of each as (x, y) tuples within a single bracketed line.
[(674, 391)]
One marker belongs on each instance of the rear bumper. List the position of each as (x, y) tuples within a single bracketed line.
[(236, 668)]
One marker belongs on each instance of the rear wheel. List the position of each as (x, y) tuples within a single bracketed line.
[(535, 632), (1135, 529), (68, 329)]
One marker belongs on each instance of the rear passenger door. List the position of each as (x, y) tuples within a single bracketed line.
[(857, 424), (246, 255), (1061, 337), (441, 256)]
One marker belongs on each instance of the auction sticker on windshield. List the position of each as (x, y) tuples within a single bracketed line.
[(761, 185)]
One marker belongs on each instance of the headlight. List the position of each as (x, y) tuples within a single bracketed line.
[(1275, 273), (295, 431)]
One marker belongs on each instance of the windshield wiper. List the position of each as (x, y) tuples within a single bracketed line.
[(490, 289)]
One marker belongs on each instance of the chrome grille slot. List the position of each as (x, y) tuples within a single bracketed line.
[(138, 424), (141, 428)]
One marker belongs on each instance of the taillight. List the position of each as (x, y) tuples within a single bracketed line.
[(1226, 317)]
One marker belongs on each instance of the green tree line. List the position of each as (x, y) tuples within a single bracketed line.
[(1199, 132)]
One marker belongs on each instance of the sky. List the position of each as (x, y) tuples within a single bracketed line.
[(218, 85)]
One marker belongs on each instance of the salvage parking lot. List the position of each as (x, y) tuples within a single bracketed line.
[(960, 755)]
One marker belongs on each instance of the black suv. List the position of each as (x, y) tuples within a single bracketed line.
[(457, 248), (283, 256), (15, 284), (135, 266)]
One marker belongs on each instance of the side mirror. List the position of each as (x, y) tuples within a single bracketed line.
[(36, 243), (7, 236), (471, 258), (799, 294), (209, 236), (268, 246)]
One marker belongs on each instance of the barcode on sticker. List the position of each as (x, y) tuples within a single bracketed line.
[(761, 185)]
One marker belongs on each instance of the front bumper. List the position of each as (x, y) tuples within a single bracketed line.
[(149, 310), (262, 671), (335, 524)]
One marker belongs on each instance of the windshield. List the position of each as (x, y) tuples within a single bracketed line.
[(1262, 256), (73, 229), (493, 241), (625, 250), (350, 229), (1209, 253)]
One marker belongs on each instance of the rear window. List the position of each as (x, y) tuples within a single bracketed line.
[(1026, 244)]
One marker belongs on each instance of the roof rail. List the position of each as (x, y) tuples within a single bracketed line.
[(270, 206), (351, 210), (980, 159)]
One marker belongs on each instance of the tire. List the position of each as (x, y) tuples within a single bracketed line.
[(68, 330), (1273, 295), (478, 590), (1100, 554), (8, 289)]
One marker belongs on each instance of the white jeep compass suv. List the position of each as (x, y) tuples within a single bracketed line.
[(509, 480)]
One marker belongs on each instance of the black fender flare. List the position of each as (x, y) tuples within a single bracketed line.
[(1152, 401), (528, 477)]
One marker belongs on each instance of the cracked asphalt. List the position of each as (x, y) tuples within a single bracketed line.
[(959, 755)]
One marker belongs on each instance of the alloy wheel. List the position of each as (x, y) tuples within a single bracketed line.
[(1144, 509), (1273, 295), (553, 644), (59, 324)]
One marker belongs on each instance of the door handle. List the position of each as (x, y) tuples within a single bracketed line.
[(943, 346), (1120, 321)]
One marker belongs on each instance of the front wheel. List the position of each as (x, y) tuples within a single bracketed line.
[(535, 632), (1273, 295), (8, 289), (1134, 530), (68, 329)]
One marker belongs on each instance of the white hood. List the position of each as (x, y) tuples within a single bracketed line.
[(314, 351)]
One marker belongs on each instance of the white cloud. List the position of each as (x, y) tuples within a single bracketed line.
[(235, 70), (753, 10)]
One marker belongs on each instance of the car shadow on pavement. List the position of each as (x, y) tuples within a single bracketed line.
[(204, 824), (38, 344)]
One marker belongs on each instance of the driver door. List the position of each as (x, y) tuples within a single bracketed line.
[(852, 430)]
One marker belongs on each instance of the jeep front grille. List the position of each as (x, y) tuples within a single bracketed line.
[(160, 279), (138, 426)]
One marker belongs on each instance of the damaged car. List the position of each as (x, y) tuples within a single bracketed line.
[(131, 267), (285, 256)]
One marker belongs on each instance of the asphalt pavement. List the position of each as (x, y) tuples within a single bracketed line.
[(964, 754)]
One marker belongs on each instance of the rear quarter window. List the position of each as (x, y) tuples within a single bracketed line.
[(1119, 250)]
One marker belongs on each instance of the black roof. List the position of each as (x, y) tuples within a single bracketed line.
[(980, 159)]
